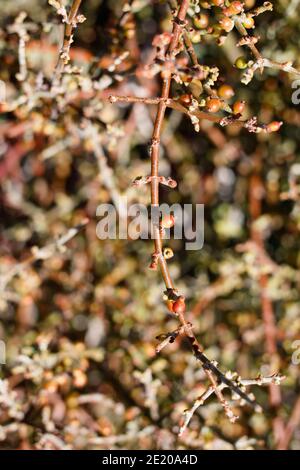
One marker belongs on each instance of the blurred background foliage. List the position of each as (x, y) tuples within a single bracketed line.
[(80, 326)]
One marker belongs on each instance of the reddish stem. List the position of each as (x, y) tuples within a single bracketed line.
[(255, 202)]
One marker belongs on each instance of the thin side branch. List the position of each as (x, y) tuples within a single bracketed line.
[(71, 21), (43, 253)]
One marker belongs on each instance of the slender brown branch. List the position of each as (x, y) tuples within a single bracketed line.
[(251, 124), (243, 32), (260, 62), (209, 365), (64, 57), (190, 48), (188, 414), (290, 428), (268, 315), (155, 144), (215, 376), (210, 369), (42, 253)]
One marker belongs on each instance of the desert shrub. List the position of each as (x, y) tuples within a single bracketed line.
[(190, 102)]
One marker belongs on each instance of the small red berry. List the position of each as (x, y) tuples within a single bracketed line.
[(237, 7), (226, 92), (213, 105), (234, 9), (238, 107), (274, 126), (226, 23), (179, 305), (201, 21), (168, 221)]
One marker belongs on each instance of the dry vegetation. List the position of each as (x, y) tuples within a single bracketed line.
[(192, 103)]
